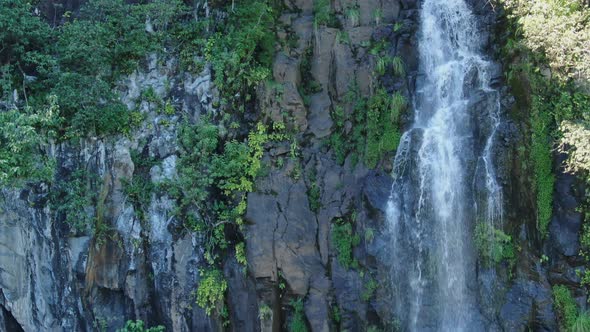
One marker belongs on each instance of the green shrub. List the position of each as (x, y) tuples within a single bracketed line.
[(27, 43), (138, 326), (297, 323), (22, 137), (242, 53), (73, 197), (97, 111), (582, 323), (241, 253), (376, 126), (344, 240), (369, 289), (264, 312), (216, 179), (383, 127), (543, 164), (314, 195), (211, 291), (493, 245), (323, 14), (549, 35), (565, 306)]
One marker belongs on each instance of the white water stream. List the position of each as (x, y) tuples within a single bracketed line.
[(444, 175)]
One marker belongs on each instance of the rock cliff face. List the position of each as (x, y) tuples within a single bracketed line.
[(53, 278)]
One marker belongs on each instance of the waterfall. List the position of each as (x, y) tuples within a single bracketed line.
[(444, 178)]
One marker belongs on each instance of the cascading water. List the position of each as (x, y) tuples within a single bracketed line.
[(444, 179)]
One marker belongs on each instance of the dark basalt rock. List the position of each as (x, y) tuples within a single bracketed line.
[(376, 189), (529, 306)]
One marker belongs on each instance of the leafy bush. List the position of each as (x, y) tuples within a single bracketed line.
[(493, 245), (560, 30), (344, 240), (550, 75), (26, 49), (375, 126), (96, 111), (297, 323), (73, 198), (264, 312), (212, 178), (139, 326), (565, 306), (383, 126), (323, 14), (211, 291), (242, 53), (314, 195), (543, 164), (369, 289), (22, 136)]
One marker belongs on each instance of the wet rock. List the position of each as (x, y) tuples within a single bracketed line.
[(529, 305), (377, 190), (320, 121)]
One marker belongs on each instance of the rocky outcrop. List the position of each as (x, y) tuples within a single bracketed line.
[(56, 278)]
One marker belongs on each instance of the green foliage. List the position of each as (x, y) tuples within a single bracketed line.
[(323, 14), (493, 245), (582, 323), (241, 253), (369, 289), (264, 312), (25, 48), (549, 74), (73, 197), (558, 31), (375, 126), (139, 326), (22, 137), (565, 306), (314, 195), (211, 291), (369, 234), (81, 60), (344, 240), (139, 192), (395, 63), (543, 165), (353, 15), (336, 314), (297, 323), (96, 111), (215, 178), (383, 133), (241, 54)]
